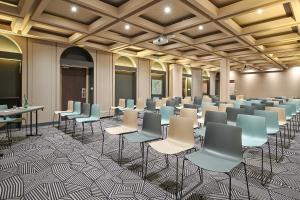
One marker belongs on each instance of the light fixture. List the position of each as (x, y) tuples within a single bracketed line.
[(259, 11), (127, 27), (270, 54), (167, 9), (200, 27), (74, 9)]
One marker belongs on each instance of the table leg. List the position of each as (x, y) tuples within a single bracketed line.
[(36, 122), (30, 126)]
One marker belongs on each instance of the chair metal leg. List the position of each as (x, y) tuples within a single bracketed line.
[(245, 169), (270, 157), (146, 167), (53, 119), (102, 146), (182, 175), (262, 166), (282, 154), (92, 128), (229, 184), (82, 131), (143, 156), (176, 177), (167, 160)]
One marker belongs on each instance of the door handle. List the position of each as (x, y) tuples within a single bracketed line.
[(83, 93)]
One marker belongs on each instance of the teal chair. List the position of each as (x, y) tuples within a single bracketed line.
[(237, 104), (94, 117), (293, 108), (272, 127), (222, 151), (6, 122), (289, 117), (254, 135), (151, 131), (166, 113), (85, 112), (76, 111), (130, 104)]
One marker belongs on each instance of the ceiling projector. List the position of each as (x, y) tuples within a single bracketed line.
[(163, 39)]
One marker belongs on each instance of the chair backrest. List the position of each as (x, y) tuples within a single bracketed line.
[(249, 110), (122, 103), (185, 101), (151, 123), (240, 97), (77, 106), (189, 98), (280, 111), (252, 126), (206, 99), (158, 103), (208, 108), (150, 105), (70, 106), (130, 119), (223, 106), (155, 99), (189, 113), (269, 103), (166, 112), (171, 103), (232, 113), (215, 116), (232, 97), (130, 103), (3, 107), (95, 111), (288, 110), (197, 101), (224, 140), (238, 103), (164, 100), (259, 106), (272, 121), (193, 106), (293, 107), (177, 100), (181, 130), (140, 104), (86, 109), (276, 103)]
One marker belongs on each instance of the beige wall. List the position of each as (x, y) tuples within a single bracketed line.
[(196, 82), (175, 82), (144, 79), (270, 84)]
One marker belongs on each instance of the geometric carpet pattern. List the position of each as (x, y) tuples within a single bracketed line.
[(59, 166)]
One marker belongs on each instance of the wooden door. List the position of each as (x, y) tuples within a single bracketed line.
[(73, 85)]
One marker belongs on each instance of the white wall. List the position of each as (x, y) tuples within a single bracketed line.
[(269, 84)]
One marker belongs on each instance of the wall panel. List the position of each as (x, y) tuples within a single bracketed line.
[(143, 79)]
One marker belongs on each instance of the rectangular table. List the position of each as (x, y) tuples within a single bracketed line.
[(21, 110)]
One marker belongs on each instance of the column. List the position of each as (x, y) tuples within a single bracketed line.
[(175, 81), (196, 82), (212, 83), (224, 80)]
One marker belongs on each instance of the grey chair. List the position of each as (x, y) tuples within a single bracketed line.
[(151, 130), (171, 103), (259, 106), (177, 100), (211, 116), (150, 106), (249, 110), (232, 114), (193, 106), (85, 112), (222, 151), (269, 104), (197, 101)]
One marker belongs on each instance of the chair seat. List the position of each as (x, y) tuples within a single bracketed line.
[(200, 132), (87, 119), (249, 141), (231, 123), (165, 122), (288, 118), (69, 114), (59, 112), (77, 116), (169, 146), (272, 131), (141, 136), (7, 120), (120, 130), (212, 161), (282, 123)]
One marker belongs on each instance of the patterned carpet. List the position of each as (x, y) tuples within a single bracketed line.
[(58, 166)]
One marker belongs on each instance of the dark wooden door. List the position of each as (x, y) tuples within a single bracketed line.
[(73, 85)]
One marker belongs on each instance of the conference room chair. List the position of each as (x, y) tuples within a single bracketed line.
[(151, 131), (76, 111), (177, 100), (232, 97), (150, 106), (15, 120), (254, 135), (211, 116), (237, 103), (197, 101), (191, 114), (249, 110), (259, 106), (222, 152), (293, 110), (223, 106), (206, 107), (130, 104), (171, 103), (232, 114), (185, 101), (206, 98), (164, 100), (281, 112), (140, 106), (158, 104), (129, 125), (269, 103), (85, 112), (180, 139), (118, 110), (166, 113), (94, 117), (289, 117), (273, 128), (70, 109), (240, 97), (193, 106), (155, 99), (188, 98)]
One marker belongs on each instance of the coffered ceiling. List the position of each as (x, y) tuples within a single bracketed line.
[(261, 34)]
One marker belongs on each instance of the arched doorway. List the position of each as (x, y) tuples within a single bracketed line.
[(186, 82), (125, 79), (77, 76), (158, 80), (10, 72)]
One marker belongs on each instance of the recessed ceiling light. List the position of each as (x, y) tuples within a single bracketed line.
[(270, 54), (74, 9), (259, 11), (200, 27), (127, 26), (167, 9)]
